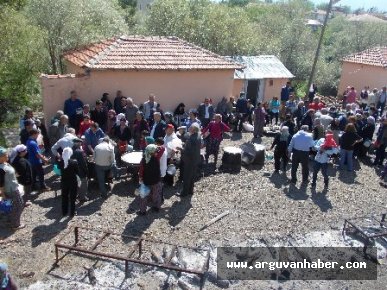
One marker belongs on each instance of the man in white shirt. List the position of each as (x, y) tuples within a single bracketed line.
[(169, 139), (104, 160), (300, 146)]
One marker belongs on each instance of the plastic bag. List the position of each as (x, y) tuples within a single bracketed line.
[(57, 170), (144, 190), (79, 181), (248, 127), (5, 206)]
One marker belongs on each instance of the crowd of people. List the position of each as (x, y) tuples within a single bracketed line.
[(86, 142)]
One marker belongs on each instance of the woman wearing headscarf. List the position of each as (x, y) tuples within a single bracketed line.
[(23, 170), (6, 281), (69, 182), (281, 143), (9, 188), (150, 175)]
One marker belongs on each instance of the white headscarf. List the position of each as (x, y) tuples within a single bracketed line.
[(16, 150), (119, 117), (66, 154)]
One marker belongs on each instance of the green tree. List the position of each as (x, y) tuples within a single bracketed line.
[(22, 59), (70, 23)]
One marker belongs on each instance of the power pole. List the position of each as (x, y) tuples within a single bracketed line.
[(331, 2)]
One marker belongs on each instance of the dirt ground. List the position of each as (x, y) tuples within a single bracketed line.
[(262, 205)]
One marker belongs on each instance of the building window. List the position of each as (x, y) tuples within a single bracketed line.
[(271, 83)]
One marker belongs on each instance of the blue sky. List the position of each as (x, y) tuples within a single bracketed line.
[(354, 4)]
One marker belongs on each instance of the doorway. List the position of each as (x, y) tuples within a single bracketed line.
[(252, 90)]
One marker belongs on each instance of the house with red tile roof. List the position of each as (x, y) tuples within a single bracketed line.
[(365, 68), (171, 68)]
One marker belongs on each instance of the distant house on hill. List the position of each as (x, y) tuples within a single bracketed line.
[(365, 68), (365, 18), (261, 78), (173, 69), (144, 5)]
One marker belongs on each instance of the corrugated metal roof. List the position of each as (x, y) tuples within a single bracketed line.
[(261, 67)]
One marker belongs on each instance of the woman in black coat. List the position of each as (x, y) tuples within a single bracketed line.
[(281, 143), (23, 169), (69, 181)]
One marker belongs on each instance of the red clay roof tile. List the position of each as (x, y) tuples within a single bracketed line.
[(147, 53), (374, 56)]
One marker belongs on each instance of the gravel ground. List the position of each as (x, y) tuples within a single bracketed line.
[(261, 205)]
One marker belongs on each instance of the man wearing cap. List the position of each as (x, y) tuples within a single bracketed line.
[(104, 159), (158, 128), (70, 108), (206, 112), (99, 115), (191, 158)]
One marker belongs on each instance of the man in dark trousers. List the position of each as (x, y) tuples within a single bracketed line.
[(300, 146), (206, 112), (99, 115), (191, 158), (242, 111), (158, 128)]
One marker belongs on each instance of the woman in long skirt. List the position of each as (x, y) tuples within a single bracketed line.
[(69, 181), (150, 176), (9, 188)]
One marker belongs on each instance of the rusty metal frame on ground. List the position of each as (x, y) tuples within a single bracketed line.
[(136, 247), (353, 225)]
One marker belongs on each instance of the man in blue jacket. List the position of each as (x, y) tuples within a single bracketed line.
[(71, 106)]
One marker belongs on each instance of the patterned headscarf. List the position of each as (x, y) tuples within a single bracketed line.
[(16, 150), (149, 152)]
